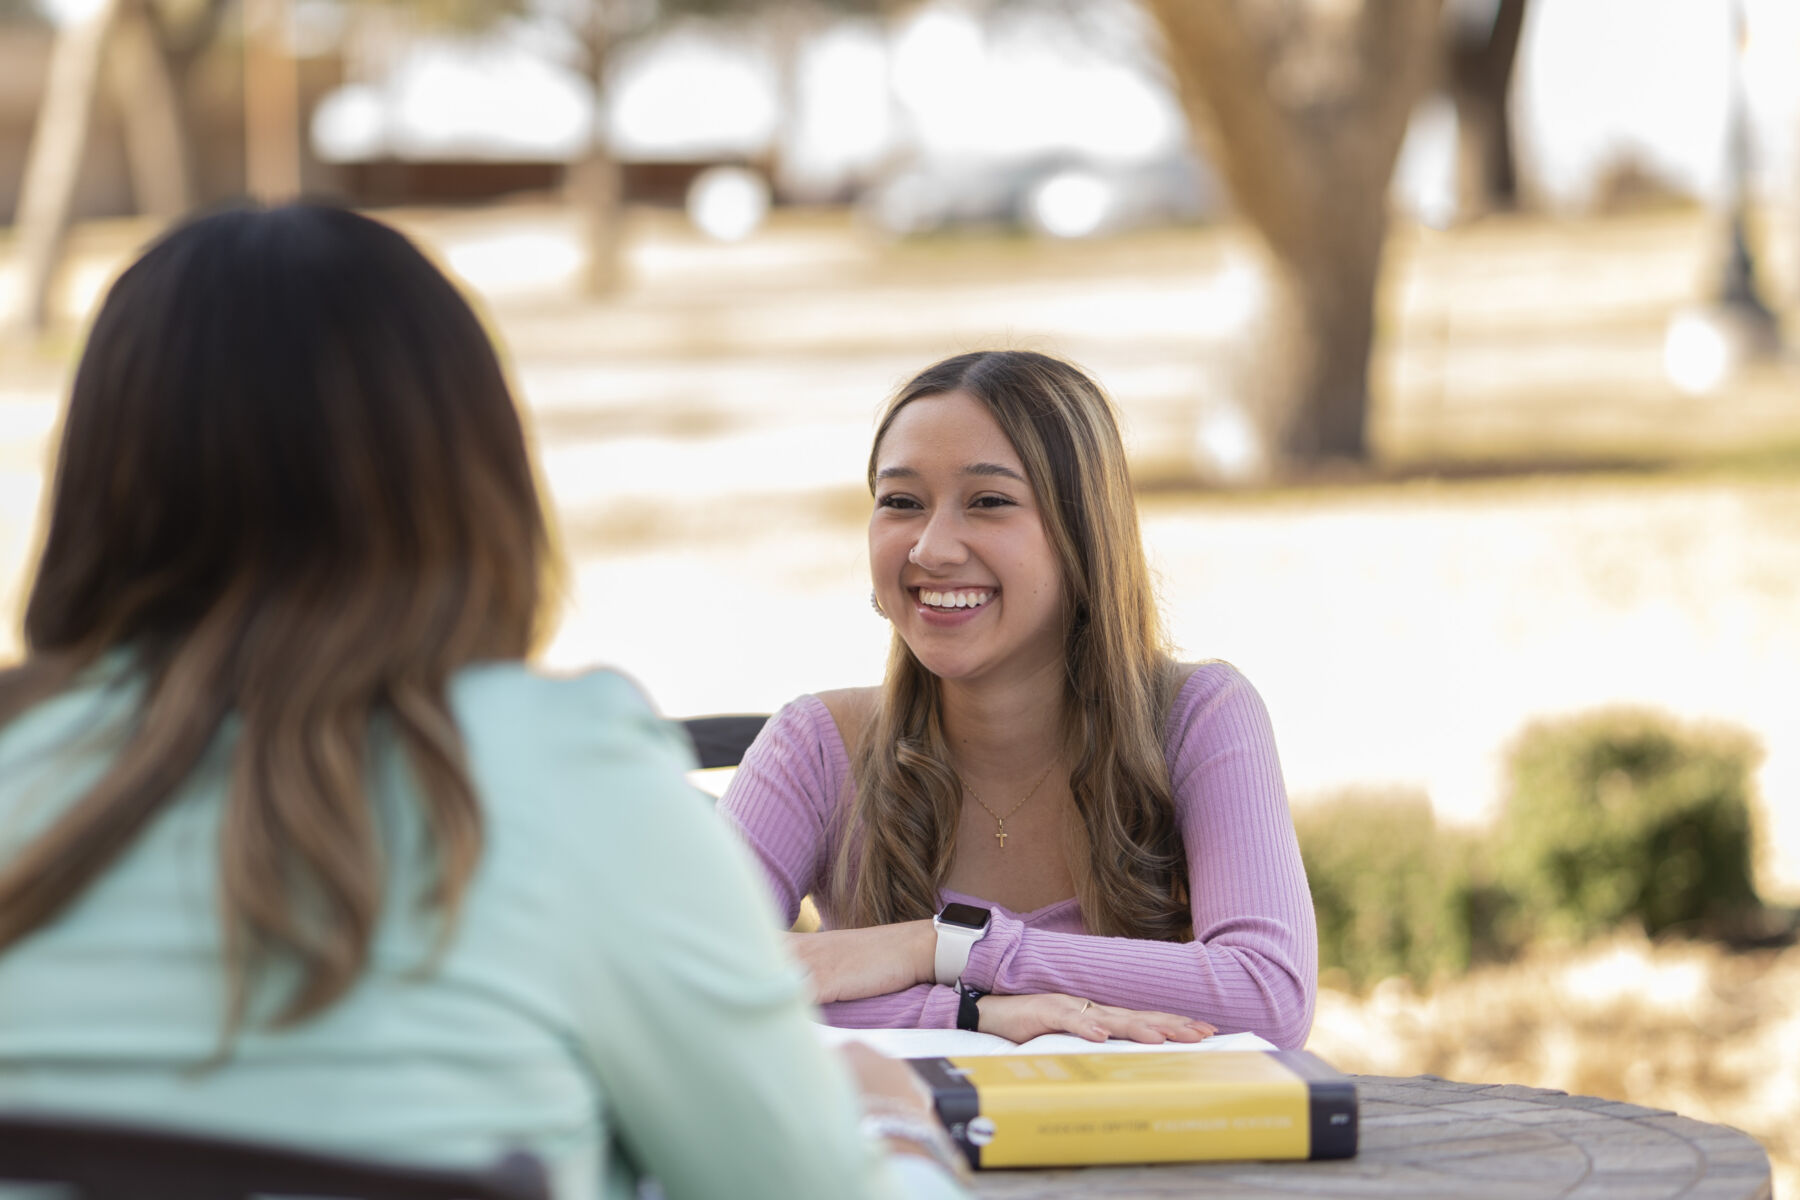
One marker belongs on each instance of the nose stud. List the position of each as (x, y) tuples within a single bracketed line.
[(912, 556)]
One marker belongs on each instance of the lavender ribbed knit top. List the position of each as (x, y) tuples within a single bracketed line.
[(1253, 963)]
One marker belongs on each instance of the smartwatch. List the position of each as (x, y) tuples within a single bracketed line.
[(958, 927)]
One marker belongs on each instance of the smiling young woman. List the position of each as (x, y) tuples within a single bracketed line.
[(1039, 821)]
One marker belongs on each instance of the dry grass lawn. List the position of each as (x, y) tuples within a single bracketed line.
[(1708, 1033)]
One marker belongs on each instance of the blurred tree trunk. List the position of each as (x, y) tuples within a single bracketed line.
[(271, 103), (596, 188), (791, 26), (53, 165), (1478, 67), (1301, 106), (596, 185), (148, 98)]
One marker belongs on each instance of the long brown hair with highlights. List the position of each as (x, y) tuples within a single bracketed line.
[(292, 489), (899, 835)]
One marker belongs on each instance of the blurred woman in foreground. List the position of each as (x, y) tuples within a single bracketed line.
[(293, 846)]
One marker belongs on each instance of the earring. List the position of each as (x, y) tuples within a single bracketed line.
[(876, 605)]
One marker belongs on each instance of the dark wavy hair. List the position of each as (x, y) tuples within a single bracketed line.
[(900, 833), (293, 486)]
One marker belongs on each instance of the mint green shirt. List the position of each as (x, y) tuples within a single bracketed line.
[(615, 999)]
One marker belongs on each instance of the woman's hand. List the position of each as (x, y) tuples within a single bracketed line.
[(899, 1103), (849, 964), (1021, 1018), (887, 1084)]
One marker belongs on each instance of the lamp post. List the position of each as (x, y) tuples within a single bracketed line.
[(1708, 343), (1737, 282)]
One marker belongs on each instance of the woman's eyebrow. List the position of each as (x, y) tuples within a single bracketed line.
[(979, 468), (988, 468)]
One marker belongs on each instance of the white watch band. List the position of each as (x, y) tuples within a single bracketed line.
[(953, 945)]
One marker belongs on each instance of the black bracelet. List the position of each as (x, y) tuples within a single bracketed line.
[(967, 1015)]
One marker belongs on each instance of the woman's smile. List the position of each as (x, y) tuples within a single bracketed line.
[(948, 598), (952, 609)]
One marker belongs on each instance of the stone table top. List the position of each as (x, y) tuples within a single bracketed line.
[(1426, 1136)]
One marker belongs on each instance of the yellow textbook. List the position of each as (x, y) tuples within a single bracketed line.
[(1054, 1110)]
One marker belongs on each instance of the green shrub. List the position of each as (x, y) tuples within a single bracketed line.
[(1394, 894), (1625, 815)]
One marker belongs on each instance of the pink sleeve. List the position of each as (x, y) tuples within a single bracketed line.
[(780, 802), (781, 799), (1253, 963), (922, 1006)]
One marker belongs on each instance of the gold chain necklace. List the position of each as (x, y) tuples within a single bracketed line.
[(1000, 821)]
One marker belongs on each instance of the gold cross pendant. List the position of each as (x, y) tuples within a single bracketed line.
[(1002, 835)]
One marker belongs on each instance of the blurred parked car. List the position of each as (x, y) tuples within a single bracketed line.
[(1058, 196)]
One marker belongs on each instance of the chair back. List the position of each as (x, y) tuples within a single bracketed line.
[(721, 741), (108, 1160)]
